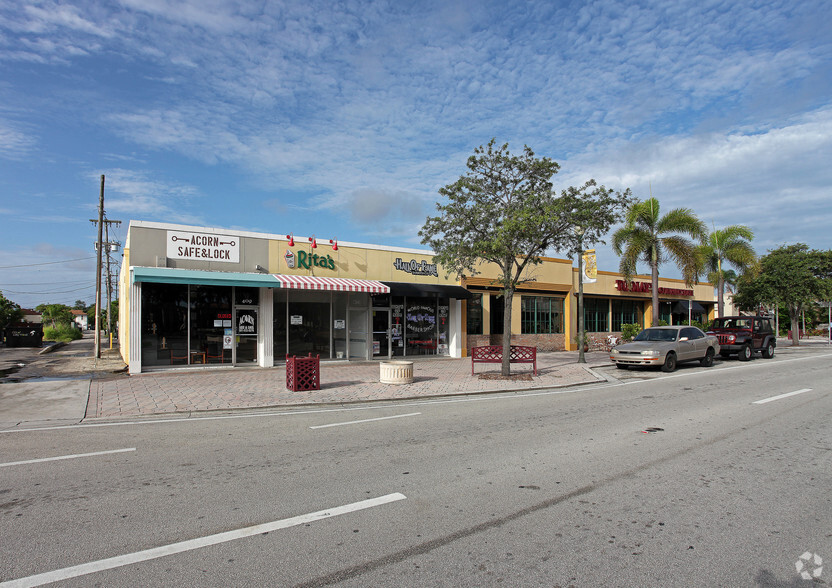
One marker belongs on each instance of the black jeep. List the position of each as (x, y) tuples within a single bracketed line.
[(744, 335)]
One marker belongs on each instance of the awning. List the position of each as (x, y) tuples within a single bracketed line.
[(681, 306), (171, 275), (410, 289), (338, 284)]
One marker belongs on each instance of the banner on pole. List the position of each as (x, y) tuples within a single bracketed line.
[(590, 267)]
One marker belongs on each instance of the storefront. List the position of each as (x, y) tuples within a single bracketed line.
[(196, 296), (545, 305)]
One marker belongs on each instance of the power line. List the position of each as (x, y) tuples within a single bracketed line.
[(45, 263), (75, 282), (48, 291)]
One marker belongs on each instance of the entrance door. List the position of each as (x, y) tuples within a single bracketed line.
[(381, 333), (357, 344), (245, 348)]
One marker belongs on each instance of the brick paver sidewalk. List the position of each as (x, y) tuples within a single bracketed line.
[(224, 389)]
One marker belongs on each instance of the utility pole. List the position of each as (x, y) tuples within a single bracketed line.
[(102, 223), (109, 247), (98, 273)]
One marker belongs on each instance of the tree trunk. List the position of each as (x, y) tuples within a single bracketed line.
[(720, 296), (654, 287), (794, 315), (508, 296)]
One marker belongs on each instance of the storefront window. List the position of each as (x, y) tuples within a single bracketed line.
[(443, 326), (596, 311), (210, 316), (498, 311), (625, 312), (541, 315), (339, 325), (397, 325), (664, 312), (279, 324), (421, 326), (164, 324), (309, 320), (474, 312)]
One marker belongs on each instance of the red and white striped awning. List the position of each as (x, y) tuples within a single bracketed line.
[(339, 284)]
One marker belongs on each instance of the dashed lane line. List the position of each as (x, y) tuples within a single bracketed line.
[(781, 396), (190, 545), (60, 457), (398, 416)]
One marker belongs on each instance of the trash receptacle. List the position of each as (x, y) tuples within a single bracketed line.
[(303, 373), (24, 335)]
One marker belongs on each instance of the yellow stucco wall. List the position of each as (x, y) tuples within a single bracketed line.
[(352, 262)]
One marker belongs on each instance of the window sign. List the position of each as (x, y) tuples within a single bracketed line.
[(340, 324), (296, 319), (203, 246), (246, 322), (421, 318)]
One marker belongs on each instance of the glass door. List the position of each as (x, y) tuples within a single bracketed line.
[(357, 344), (245, 349), (381, 333)]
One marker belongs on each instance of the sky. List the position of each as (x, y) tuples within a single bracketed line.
[(342, 119)]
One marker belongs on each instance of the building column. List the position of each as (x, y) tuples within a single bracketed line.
[(265, 318), (134, 332), (455, 334)]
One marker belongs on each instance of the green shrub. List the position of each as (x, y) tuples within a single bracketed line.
[(629, 331), (62, 332)]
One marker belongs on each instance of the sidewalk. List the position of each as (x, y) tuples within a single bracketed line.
[(68, 386), (341, 382)]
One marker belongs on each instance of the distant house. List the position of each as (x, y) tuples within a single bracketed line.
[(31, 316), (81, 319)]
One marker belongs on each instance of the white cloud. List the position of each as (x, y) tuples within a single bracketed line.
[(135, 193), (14, 143)]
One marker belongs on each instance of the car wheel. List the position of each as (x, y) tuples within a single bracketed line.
[(621, 366), (669, 363), (768, 352), (708, 360), (746, 352)]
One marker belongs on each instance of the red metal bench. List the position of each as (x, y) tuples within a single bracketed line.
[(494, 354)]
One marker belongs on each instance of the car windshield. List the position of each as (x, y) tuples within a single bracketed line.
[(732, 323), (657, 335)]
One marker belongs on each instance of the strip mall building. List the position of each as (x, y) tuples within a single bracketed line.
[(199, 296)]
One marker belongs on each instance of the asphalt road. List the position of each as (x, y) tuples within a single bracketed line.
[(541, 489)]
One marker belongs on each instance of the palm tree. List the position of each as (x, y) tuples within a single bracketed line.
[(648, 237), (730, 244)]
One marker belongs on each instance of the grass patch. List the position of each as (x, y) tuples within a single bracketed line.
[(64, 333)]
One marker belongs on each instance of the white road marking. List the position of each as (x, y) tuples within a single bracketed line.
[(786, 395), (510, 395), (77, 455), (174, 548), (398, 416)]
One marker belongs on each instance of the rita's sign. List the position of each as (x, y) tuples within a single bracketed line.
[(622, 286), (203, 247), (307, 260), (416, 268)]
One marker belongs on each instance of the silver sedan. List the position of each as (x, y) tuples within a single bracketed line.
[(666, 346)]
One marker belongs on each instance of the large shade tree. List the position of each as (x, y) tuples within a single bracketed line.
[(654, 239), (791, 275), (503, 211), (727, 245)]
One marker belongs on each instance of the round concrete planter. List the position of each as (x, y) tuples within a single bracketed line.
[(396, 372)]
